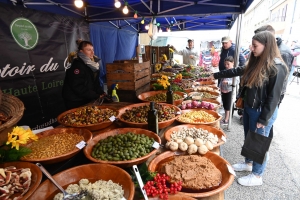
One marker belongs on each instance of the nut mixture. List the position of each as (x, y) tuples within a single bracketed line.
[(196, 117), (53, 145)]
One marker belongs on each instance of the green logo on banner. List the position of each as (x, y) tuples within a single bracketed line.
[(24, 33)]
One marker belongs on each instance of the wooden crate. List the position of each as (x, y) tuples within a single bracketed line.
[(131, 95), (129, 75)]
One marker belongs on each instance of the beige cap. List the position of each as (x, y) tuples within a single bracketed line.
[(226, 39)]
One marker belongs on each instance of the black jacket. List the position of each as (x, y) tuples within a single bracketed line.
[(266, 97), (230, 52), (81, 83), (287, 57)]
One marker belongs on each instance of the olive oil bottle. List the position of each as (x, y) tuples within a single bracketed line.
[(170, 95), (153, 119)]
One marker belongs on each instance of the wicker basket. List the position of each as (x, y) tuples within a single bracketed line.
[(11, 106)]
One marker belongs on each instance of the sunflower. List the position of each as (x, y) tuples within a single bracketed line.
[(20, 136)]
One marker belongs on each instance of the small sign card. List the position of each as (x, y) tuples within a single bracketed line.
[(231, 171), (223, 138), (81, 144), (112, 118), (155, 145)]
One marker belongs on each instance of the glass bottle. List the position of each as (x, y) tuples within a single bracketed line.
[(153, 119), (170, 95)]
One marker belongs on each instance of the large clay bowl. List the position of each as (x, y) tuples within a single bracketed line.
[(128, 163), (213, 123), (91, 127), (218, 161), (207, 82), (36, 176), (80, 131), (211, 129), (216, 103), (143, 97), (93, 172), (214, 94), (161, 125)]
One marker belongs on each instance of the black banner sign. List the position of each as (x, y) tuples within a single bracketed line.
[(32, 65)]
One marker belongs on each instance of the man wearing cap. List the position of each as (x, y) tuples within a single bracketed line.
[(228, 49), (190, 55)]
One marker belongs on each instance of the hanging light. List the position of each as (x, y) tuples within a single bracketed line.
[(169, 29), (117, 4), (125, 9), (78, 3), (135, 15), (147, 27), (143, 20), (160, 30)]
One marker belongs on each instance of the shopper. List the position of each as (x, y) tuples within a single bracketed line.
[(263, 78), (81, 84), (226, 90), (189, 54)]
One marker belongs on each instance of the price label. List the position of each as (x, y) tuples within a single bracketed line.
[(123, 198), (231, 171), (112, 118), (81, 144), (223, 138), (155, 145), (178, 113), (193, 86), (185, 96)]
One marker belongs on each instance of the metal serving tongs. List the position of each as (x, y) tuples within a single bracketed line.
[(75, 196)]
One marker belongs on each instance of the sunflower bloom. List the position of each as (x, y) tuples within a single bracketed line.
[(20, 136)]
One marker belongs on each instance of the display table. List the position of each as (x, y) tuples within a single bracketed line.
[(80, 158)]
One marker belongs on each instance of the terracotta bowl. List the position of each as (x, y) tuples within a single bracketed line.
[(215, 89), (93, 172), (215, 114), (211, 129), (217, 104), (128, 163), (91, 127), (215, 95), (80, 131), (36, 176), (209, 82), (145, 95), (218, 161), (161, 125)]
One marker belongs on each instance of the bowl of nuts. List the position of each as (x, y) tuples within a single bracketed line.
[(123, 147), (135, 115), (89, 117), (56, 145), (161, 96)]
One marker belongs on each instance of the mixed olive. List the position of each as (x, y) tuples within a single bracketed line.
[(140, 114), (121, 147), (162, 97), (88, 115)]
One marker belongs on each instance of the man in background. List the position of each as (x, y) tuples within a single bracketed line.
[(228, 49), (189, 54)]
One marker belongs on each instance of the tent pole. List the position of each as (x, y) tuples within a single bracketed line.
[(236, 61)]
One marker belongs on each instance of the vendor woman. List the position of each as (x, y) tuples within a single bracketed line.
[(81, 84)]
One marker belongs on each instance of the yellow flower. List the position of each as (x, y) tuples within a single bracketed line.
[(179, 76), (164, 81), (20, 136), (171, 50), (157, 67)]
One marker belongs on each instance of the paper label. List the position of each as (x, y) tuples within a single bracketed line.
[(223, 138), (178, 113), (185, 96), (231, 171), (156, 145), (81, 144), (123, 198), (193, 86), (112, 118)]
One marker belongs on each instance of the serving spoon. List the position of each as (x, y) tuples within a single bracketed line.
[(67, 196)]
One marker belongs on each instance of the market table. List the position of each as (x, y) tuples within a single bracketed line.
[(80, 158)]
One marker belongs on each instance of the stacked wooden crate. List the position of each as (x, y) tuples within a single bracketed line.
[(133, 78)]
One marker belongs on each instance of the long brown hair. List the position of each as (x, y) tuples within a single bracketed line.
[(258, 69)]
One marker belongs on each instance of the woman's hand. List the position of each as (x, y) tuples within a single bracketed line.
[(211, 77), (259, 125)]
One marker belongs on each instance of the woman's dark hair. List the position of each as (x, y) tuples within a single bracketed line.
[(229, 59), (84, 44)]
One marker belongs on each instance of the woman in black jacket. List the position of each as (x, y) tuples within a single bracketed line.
[(81, 84), (262, 81)]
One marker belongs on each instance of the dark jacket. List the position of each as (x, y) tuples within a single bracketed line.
[(81, 83), (230, 52), (266, 97), (287, 57)]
